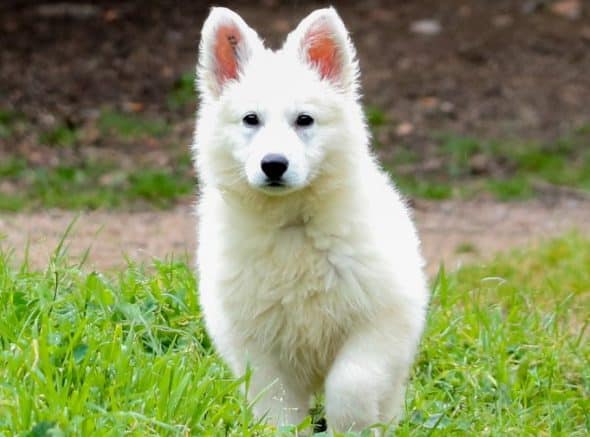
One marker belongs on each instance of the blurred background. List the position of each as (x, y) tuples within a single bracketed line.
[(479, 111)]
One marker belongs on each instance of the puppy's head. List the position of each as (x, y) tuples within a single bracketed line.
[(269, 121)]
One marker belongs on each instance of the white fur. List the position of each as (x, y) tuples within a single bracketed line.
[(318, 285)]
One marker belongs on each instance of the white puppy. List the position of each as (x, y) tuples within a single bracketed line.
[(310, 267)]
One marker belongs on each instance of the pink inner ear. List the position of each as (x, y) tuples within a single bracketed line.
[(226, 45), (322, 52)]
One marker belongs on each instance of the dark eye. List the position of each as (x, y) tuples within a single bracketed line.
[(304, 120), (251, 119)]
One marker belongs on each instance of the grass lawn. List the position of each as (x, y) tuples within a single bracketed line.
[(94, 185), (505, 352), (465, 167), (451, 166)]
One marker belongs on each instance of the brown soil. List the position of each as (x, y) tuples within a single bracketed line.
[(496, 68), (452, 232)]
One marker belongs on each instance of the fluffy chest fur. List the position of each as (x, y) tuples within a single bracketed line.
[(295, 290)]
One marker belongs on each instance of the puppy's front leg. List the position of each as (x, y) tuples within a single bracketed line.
[(366, 383), (279, 398)]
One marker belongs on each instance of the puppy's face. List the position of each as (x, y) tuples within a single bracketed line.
[(268, 119)]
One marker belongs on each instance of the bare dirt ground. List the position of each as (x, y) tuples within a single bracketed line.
[(452, 232), (502, 68)]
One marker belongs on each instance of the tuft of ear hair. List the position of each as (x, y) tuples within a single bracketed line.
[(322, 42), (227, 44)]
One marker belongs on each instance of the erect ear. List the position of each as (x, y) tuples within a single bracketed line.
[(322, 42), (227, 44)]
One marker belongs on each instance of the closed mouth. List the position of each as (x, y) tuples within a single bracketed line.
[(276, 187)]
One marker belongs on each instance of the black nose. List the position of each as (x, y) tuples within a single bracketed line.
[(274, 166)]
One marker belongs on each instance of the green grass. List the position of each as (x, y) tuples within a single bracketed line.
[(466, 247), (92, 185), (423, 188), (183, 92), (10, 121), (94, 354), (62, 135), (130, 126), (505, 350), (507, 169), (375, 117)]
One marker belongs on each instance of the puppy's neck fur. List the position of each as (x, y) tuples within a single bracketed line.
[(328, 194)]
